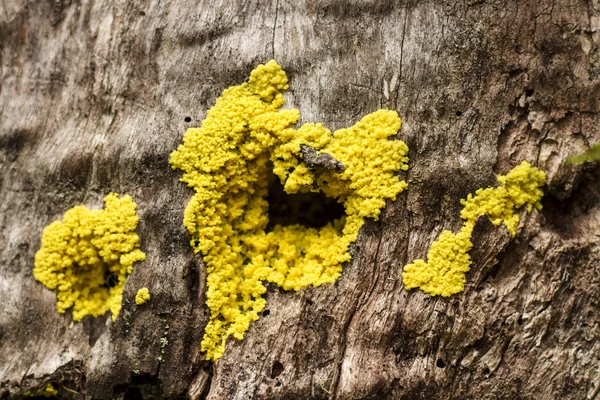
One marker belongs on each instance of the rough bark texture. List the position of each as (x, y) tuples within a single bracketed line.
[(95, 94)]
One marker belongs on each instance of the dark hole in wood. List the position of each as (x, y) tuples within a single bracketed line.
[(440, 363), (187, 119), (458, 113), (529, 92), (266, 313), (110, 279), (193, 280), (314, 210), (276, 370)]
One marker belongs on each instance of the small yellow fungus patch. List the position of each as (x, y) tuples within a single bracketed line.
[(448, 257), (142, 296), (88, 255), (226, 162), (48, 391)]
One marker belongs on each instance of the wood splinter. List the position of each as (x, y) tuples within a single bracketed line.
[(322, 160)]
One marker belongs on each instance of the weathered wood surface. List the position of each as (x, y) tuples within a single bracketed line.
[(94, 96)]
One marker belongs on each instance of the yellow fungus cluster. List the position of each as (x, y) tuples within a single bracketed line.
[(448, 258), (88, 255), (48, 391), (142, 296), (227, 161)]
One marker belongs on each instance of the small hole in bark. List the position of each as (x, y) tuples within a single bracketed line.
[(515, 72), (440, 363), (529, 92), (193, 281), (187, 119), (520, 320), (458, 113), (276, 370), (396, 384), (309, 302), (266, 313), (278, 384), (486, 371)]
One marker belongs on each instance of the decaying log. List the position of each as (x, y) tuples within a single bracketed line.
[(95, 95)]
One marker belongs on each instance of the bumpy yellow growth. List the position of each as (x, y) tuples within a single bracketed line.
[(142, 296), (226, 161), (86, 250), (448, 257), (48, 391)]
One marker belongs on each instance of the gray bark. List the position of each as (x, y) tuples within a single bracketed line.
[(94, 96)]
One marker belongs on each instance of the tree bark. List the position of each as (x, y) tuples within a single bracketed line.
[(95, 95)]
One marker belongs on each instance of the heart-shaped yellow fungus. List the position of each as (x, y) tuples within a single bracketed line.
[(227, 162), (88, 255), (448, 258)]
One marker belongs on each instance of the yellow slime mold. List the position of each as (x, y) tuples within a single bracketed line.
[(48, 391), (88, 248), (448, 257), (226, 162), (142, 296)]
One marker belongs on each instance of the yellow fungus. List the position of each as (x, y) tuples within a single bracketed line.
[(88, 255), (227, 160), (448, 258), (48, 391), (142, 296)]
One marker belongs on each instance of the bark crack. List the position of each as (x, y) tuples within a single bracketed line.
[(359, 302), (274, 29), (395, 100)]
